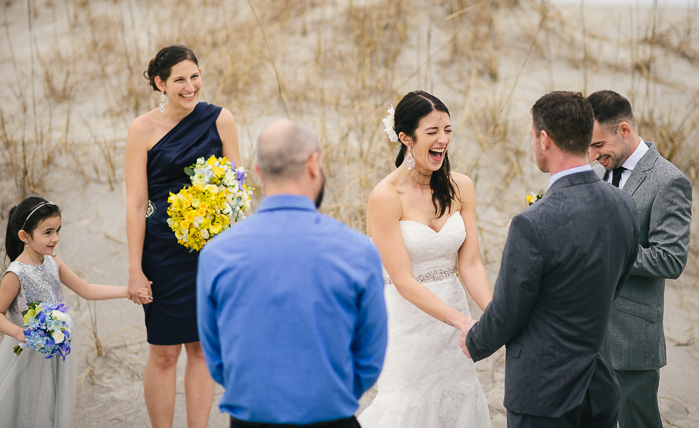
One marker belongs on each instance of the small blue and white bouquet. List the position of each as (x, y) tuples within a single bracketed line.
[(47, 329)]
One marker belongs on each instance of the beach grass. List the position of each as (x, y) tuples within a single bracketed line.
[(74, 72)]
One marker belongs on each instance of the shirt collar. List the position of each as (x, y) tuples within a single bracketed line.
[(569, 171), (636, 156), (286, 201)]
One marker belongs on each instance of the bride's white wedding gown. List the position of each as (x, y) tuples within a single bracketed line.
[(426, 381)]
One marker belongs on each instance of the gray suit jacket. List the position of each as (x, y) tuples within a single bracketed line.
[(565, 259), (663, 197)]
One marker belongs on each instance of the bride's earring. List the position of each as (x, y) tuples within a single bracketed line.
[(163, 102), (26, 243), (410, 160)]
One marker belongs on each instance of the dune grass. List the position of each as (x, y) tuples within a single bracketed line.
[(74, 72)]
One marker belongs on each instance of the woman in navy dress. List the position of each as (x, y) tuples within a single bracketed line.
[(160, 144)]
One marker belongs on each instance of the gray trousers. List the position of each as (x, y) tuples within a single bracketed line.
[(578, 417), (638, 407)]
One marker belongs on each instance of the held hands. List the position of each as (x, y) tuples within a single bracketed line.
[(139, 290), (465, 328)]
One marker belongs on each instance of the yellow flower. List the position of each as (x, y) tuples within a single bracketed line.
[(215, 228), (218, 171), (31, 313), (533, 197), (206, 223)]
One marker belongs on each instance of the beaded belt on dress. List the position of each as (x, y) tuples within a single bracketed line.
[(431, 276)]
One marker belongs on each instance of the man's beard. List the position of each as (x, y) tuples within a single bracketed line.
[(321, 192)]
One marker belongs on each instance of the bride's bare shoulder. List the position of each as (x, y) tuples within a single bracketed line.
[(385, 191), (384, 200), (465, 189)]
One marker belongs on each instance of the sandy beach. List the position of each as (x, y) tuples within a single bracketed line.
[(74, 79)]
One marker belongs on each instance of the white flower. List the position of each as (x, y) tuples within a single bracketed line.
[(60, 316), (58, 336), (389, 122), (205, 233)]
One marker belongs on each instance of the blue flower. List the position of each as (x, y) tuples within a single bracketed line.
[(240, 175)]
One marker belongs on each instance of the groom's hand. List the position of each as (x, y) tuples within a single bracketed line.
[(465, 328)]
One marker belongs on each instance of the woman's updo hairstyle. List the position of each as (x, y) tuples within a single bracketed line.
[(26, 216), (409, 111), (164, 60)]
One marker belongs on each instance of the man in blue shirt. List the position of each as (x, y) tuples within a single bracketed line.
[(290, 303)]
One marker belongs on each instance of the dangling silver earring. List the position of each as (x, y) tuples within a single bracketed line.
[(26, 243), (410, 160), (163, 102)]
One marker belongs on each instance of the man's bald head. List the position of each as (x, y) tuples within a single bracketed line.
[(283, 149)]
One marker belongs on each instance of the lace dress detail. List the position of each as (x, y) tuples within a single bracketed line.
[(426, 381), (34, 391)]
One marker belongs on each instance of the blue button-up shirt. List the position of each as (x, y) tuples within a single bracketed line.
[(291, 312)]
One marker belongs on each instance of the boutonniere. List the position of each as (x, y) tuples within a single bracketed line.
[(533, 197)]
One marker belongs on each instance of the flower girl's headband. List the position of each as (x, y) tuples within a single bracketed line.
[(42, 204), (390, 122)]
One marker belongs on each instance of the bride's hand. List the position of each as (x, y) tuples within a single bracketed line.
[(139, 288), (465, 327)]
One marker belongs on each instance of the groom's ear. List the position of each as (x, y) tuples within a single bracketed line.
[(546, 140)]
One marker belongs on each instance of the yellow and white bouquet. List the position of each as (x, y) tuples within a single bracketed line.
[(217, 197)]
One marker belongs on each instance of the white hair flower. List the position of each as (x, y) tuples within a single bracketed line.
[(389, 122)]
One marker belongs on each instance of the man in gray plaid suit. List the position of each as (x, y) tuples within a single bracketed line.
[(663, 197)]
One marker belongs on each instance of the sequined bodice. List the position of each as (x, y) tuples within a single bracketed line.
[(38, 283)]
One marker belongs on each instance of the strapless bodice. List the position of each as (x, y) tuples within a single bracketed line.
[(432, 250)]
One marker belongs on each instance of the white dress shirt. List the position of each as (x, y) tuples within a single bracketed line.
[(630, 163)]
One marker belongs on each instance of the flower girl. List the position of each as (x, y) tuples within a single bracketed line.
[(37, 390)]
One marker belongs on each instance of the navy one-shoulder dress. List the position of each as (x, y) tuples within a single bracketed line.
[(172, 317)]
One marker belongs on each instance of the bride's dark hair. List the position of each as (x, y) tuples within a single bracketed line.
[(409, 111)]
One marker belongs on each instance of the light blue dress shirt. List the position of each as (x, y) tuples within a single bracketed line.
[(560, 174), (291, 312)]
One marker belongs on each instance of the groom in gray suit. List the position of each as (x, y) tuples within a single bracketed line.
[(565, 259), (663, 197)]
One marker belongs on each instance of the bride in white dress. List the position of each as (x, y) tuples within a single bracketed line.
[(422, 218)]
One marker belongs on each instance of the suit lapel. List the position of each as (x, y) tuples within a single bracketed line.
[(639, 173)]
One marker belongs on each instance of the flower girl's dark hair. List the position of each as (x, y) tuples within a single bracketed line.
[(164, 60), (409, 111), (26, 215)]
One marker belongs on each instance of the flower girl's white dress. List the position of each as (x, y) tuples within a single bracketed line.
[(34, 391), (426, 381)]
